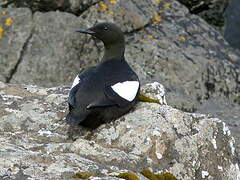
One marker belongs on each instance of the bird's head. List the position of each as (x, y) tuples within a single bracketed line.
[(108, 33)]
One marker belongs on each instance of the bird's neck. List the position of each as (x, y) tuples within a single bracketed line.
[(114, 51)]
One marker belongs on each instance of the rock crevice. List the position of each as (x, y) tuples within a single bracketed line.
[(22, 53)]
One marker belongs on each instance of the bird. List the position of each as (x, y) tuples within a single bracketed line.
[(104, 92)]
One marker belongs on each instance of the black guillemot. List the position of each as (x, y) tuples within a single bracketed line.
[(104, 92)]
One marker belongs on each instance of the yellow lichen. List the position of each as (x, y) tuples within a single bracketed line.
[(127, 176), (150, 36), (4, 12), (167, 4), (144, 98), (142, 40), (182, 38), (110, 12), (148, 174), (142, 31), (113, 1), (156, 18), (166, 176), (160, 11), (1, 32), (82, 175), (103, 6), (158, 1), (8, 21)]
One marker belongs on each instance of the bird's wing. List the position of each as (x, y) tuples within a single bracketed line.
[(122, 93), (77, 84), (73, 90)]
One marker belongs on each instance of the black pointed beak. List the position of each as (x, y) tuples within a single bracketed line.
[(86, 31)]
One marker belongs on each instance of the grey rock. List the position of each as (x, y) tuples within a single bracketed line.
[(13, 39), (34, 141), (155, 91), (72, 6), (129, 15), (210, 10), (52, 54), (221, 108), (231, 30)]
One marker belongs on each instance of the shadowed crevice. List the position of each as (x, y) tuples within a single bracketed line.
[(22, 53)]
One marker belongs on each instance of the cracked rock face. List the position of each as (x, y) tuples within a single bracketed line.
[(13, 37), (35, 141), (50, 49)]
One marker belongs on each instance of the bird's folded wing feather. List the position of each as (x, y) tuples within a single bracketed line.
[(73, 90), (77, 84), (122, 93)]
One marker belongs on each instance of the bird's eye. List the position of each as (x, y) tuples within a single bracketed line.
[(105, 28)]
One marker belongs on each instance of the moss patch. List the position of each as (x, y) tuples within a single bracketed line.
[(148, 174), (144, 98), (82, 175), (164, 176), (127, 176)]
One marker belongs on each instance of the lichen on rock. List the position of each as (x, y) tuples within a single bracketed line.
[(157, 137)]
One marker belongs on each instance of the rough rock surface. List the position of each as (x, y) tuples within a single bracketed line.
[(36, 143), (13, 39), (231, 30), (53, 50), (210, 10), (72, 6)]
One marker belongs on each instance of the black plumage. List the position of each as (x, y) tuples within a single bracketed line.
[(94, 99)]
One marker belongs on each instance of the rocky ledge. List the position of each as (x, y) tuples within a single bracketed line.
[(36, 143)]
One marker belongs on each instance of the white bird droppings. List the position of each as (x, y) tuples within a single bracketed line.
[(204, 174), (214, 143), (194, 163), (44, 132), (226, 130), (159, 155), (156, 133), (231, 143), (220, 168)]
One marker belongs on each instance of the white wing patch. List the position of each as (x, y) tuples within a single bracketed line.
[(127, 89), (76, 81)]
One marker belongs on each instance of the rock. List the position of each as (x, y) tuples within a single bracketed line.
[(155, 91), (231, 30), (72, 6), (210, 10), (59, 60), (129, 15), (15, 31), (35, 144)]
